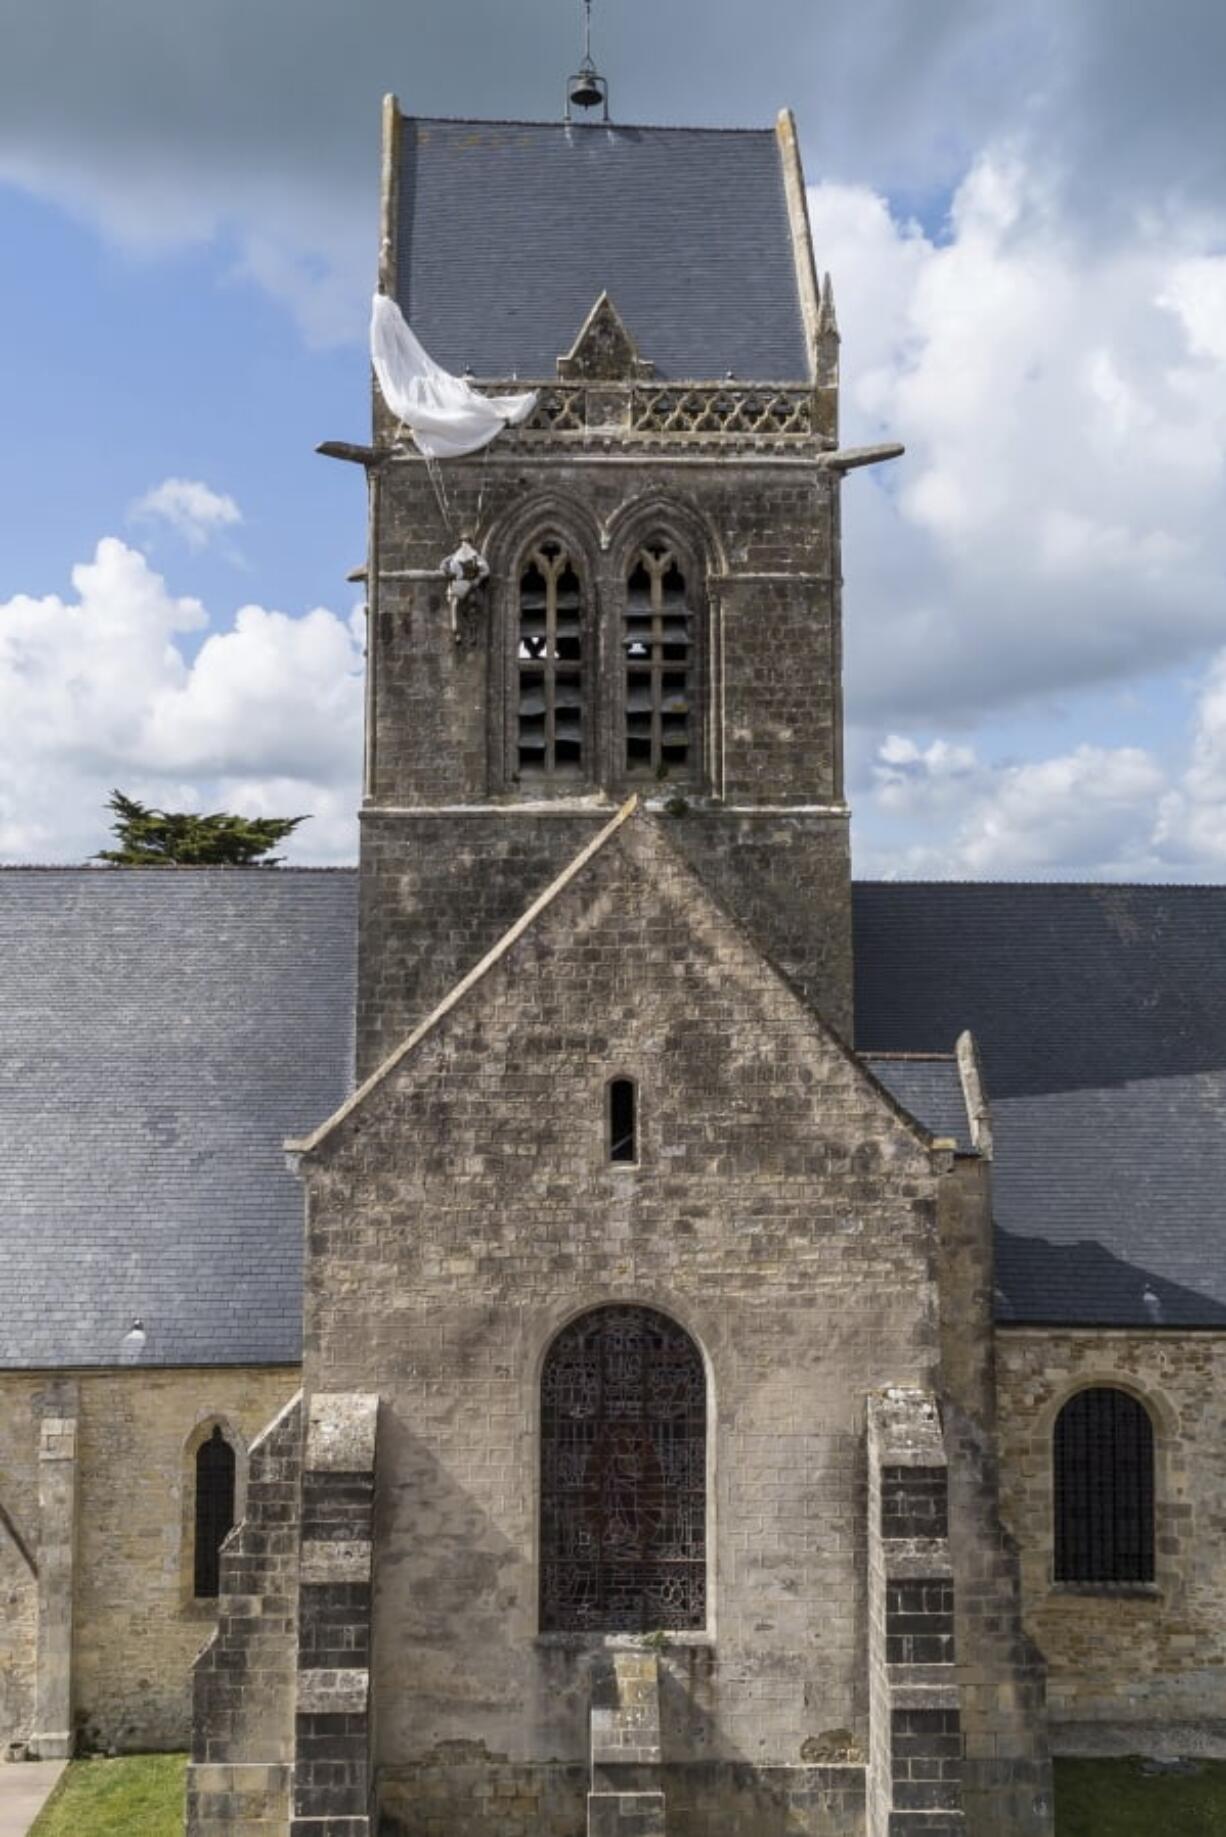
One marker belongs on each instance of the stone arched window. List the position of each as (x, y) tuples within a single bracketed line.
[(660, 636), (623, 1476), (1103, 1473), (216, 1499), (552, 670)]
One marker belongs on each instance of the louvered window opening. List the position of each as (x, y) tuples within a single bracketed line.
[(1104, 1489), (623, 1477), (659, 647), (215, 1472), (549, 661)]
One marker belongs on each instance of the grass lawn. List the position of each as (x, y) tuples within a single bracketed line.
[(140, 1795), (1113, 1798)]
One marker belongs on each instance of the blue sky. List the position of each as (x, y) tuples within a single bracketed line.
[(1024, 208)]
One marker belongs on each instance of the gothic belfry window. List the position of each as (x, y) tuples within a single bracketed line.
[(215, 1481), (623, 1476), (549, 662), (659, 645), (1103, 1458)]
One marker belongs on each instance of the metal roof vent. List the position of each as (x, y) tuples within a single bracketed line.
[(587, 88)]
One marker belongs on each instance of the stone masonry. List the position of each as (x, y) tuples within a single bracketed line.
[(916, 1751), (243, 1745), (526, 943), (1134, 1657), (448, 850), (775, 1183), (626, 1799), (57, 1511), (332, 1783), (117, 1597)]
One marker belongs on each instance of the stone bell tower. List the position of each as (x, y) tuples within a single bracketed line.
[(662, 607)]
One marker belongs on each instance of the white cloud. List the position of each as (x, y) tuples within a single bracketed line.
[(906, 773), (192, 509), (1192, 823), (1056, 521), (99, 690), (1095, 812), (1089, 813)]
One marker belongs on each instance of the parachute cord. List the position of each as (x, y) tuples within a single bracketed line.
[(435, 472)]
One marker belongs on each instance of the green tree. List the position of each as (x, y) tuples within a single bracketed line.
[(175, 838)]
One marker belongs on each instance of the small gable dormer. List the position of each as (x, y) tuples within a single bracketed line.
[(604, 351)]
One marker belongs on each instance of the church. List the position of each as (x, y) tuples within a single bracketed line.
[(594, 1322)]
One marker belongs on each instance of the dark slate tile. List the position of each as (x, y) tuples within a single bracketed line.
[(161, 1033), (1100, 1013), (930, 1090), (686, 228)]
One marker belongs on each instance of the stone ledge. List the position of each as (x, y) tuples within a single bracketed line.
[(341, 1432), (333, 1693), (336, 1562)]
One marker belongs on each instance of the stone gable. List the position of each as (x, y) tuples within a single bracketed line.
[(782, 1208)]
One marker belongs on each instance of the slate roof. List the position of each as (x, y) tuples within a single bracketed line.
[(161, 1032), (510, 231), (930, 1088), (1100, 1013)]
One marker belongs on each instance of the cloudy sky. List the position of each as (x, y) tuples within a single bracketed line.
[(1023, 203)]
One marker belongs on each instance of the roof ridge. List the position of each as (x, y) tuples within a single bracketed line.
[(627, 127), (909, 1058), (309, 1143), (1097, 886)]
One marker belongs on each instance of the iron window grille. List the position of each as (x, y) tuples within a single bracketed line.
[(658, 642), (549, 662), (1103, 1452), (215, 1477), (623, 1476)]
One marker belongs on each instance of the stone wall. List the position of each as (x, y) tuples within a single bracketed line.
[(136, 1628), (915, 1768), (332, 1779), (1131, 1656), (455, 847), (466, 1209), (761, 526), (244, 1681), (22, 1401), (1006, 1777), (438, 891)]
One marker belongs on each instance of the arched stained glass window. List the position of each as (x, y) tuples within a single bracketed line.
[(549, 661), (215, 1476), (661, 679), (623, 1476), (1103, 1453)]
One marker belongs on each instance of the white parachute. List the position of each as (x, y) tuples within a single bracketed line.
[(446, 416)]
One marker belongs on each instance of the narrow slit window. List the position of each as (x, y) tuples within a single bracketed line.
[(215, 1477), (549, 665), (659, 652), (623, 1120)]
